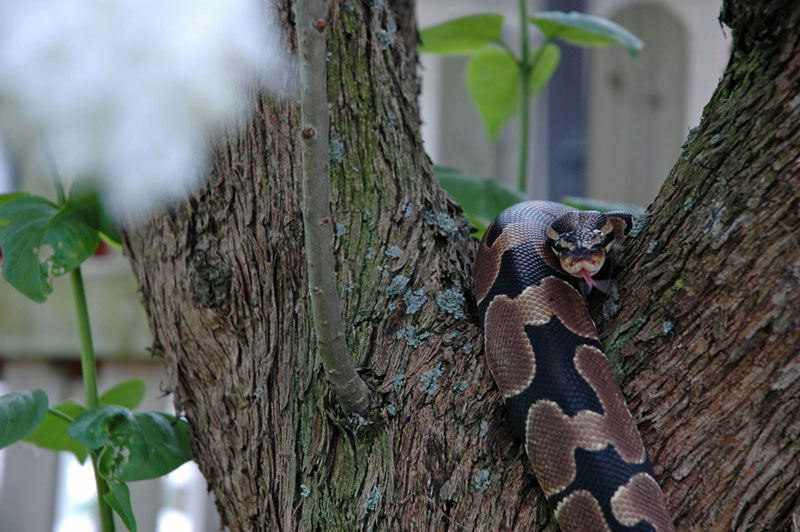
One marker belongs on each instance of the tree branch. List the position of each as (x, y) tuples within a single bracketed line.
[(351, 391)]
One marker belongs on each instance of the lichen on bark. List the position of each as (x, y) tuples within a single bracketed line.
[(714, 394)]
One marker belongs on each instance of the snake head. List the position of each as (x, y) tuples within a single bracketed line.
[(580, 240)]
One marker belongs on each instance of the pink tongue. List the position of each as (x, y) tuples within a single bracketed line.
[(588, 278)]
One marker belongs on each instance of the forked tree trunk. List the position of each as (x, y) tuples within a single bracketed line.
[(708, 330), (705, 337)]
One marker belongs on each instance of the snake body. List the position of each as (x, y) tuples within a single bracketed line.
[(543, 351)]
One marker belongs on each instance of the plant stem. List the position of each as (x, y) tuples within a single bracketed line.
[(88, 366), (524, 87), (88, 363), (89, 371), (61, 415)]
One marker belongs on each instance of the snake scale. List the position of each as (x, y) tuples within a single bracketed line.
[(544, 353)]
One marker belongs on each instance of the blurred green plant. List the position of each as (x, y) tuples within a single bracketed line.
[(501, 83), (41, 240)]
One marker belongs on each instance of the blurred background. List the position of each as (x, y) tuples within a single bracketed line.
[(603, 128)]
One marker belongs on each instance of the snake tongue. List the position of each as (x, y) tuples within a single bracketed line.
[(588, 278)]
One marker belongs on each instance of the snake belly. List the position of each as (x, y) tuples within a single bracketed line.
[(544, 353)]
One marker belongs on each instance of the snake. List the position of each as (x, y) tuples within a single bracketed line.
[(535, 263)]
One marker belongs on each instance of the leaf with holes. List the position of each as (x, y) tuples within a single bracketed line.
[(461, 35), (585, 30), (132, 446), (20, 413), (41, 240)]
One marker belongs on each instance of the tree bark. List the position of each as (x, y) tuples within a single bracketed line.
[(708, 327), (704, 338)]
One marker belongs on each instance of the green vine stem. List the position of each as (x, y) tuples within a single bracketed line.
[(88, 363), (524, 87), (61, 415), (527, 66)]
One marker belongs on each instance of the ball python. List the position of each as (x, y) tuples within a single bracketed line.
[(544, 353)]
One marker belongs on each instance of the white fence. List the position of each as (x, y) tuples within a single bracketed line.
[(41, 490)]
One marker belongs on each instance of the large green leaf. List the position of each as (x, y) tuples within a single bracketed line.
[(132, 446), (127, 393), (20, 413), (11, 195), (460, 36), (585, 30), (31, 229), (545, 59), (52, 431), (482, 199), (492, 79), (119, 498)]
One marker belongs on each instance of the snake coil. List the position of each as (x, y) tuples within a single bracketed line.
[(544, 353)]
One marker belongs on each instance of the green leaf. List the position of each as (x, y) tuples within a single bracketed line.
[(482, 199), (132, 446), (11, 195), (119, 498), (20, 413), (52, 432), (492, 79), (544, 60), (31, 226), (84, 196), (591, 204), (585, 30), (460, 36), (127, 393)]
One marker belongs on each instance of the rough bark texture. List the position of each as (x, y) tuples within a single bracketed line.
[(709, 318), (223, 280), (705, 339)]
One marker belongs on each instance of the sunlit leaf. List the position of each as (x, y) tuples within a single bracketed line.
[(492, 79), (546, 60), (461, 35)]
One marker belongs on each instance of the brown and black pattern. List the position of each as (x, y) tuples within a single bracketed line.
[(544, 354)]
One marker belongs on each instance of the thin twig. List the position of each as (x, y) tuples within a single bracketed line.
[(350, 390)]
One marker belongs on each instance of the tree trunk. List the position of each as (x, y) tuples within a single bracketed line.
[(704, 337), (708, 327)]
